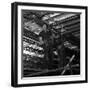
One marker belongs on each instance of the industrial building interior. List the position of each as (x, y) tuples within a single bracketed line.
[(60, 54)]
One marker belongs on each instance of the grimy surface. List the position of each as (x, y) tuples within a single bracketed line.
[(51, 43)]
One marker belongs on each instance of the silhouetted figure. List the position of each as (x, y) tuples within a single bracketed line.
[(45, 40)]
